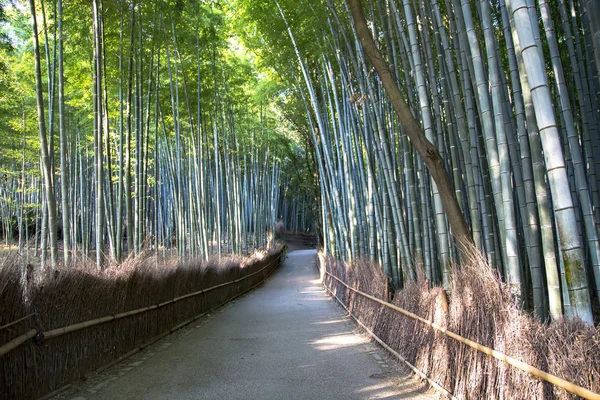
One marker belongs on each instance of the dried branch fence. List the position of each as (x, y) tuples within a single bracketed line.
[(437, 348), (83, 321)]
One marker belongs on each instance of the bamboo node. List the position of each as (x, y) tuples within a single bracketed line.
[(39, 338)]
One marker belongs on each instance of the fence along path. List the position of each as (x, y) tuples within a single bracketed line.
[(287, 339)]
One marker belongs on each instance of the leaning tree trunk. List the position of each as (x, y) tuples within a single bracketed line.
[(411, 126)]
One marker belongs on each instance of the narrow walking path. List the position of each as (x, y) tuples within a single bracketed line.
[(286, 340)]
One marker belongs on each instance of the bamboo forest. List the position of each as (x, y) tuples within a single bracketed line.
[(412, 139)]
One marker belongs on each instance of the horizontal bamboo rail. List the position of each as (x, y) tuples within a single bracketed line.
[(41, 336), (433, 383), (17, 321), (82, 325), (16, 342), (553, 379), (155, 339)]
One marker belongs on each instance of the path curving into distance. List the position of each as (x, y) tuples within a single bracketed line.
[(285, 340)]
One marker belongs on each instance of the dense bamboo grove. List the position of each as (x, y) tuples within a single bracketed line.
[(396, 123), (508, 94), (156, 131)]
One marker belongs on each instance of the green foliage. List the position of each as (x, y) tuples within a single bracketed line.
[(197, 34), (175, 73)]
